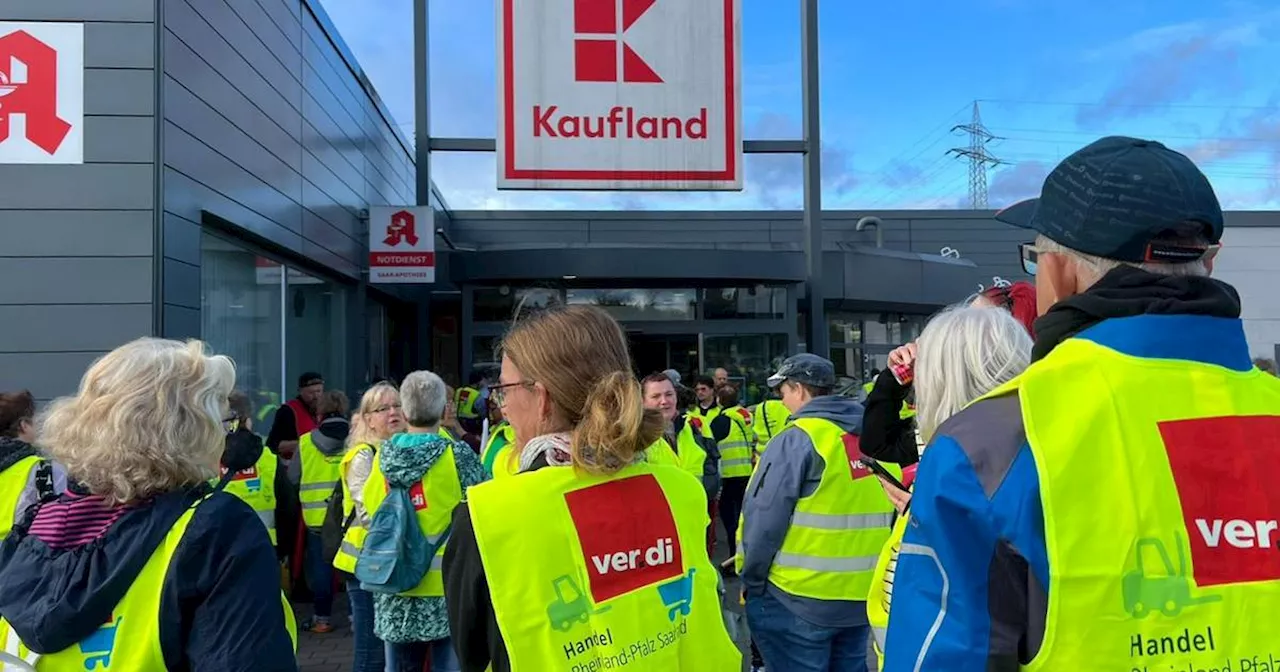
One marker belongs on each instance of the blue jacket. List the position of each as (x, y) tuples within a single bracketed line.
[(216, 610), (971, 589), (790, 469)]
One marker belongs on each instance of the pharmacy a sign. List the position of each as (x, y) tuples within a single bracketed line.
[(402, 245), (619, 94)]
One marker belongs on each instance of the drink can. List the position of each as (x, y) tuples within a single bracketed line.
[(903, 373)]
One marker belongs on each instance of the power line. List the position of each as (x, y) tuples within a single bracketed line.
[(978, 156)]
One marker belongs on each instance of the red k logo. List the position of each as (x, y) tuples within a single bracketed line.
[(401, 228), (852, 451), (598, 36), (1223, 468), (29, 86), (625, 552)]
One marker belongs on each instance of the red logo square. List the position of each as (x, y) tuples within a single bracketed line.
[(857, 469), (625, 551), (1222, 468), (417, 495)]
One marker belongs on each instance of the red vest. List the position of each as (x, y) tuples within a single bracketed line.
[(302, 418)]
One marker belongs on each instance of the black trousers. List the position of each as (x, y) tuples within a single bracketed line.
[(732, 492)]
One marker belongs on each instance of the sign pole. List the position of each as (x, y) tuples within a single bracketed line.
[(422, 164), (818, 336)]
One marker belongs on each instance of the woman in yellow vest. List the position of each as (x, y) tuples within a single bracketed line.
[(962, 354), (681, 444), (731, 429), (320, 453), (378, 418), (25, 476), (590, 558), (254, 484), (437, 473), (139, 565)]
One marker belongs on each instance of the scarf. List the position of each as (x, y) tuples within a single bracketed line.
[(554, 446)]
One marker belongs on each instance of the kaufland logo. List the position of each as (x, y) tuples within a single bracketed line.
[(1222, 468), (600, 47), (625, 553)]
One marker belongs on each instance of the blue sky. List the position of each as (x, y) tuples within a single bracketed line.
[(1050, 75)]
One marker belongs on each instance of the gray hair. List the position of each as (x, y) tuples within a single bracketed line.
[(422, 397), (1095, 267), (963, 353)]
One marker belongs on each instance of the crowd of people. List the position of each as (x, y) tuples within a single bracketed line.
[(1012, 493)]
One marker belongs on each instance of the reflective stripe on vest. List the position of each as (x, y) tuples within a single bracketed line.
[(256, 486), (837, 532), (499, 460), (464, 402), (320, 474), (1182, 571), (735, 449), (12, 482), (129, 639), (353, 539), (602, 595), (434, 498), (881, 591)]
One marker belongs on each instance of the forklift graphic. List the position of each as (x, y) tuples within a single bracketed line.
[(1164, 590), (571, 604), (98, 647)]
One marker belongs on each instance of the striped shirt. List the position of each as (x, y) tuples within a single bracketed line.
[(74, 520)]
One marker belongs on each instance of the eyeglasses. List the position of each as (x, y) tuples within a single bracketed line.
[(1030, 255), (231, 424), (384, 409), (498, 393)]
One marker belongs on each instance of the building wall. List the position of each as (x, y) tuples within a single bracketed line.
[(76, 261), (269, 132), (1249, 260)]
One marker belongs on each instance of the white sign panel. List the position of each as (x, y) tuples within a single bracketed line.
[(619, 94), (41, 92), (402, 245)]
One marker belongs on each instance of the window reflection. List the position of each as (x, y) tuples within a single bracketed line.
[(499, 304), (638, 304), (750, 359), (317, 328), (734, 303)]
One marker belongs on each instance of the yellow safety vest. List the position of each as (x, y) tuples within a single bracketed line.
[(768, 419), (499, 458), (837, 532), (353, 538), (131, 626), (691, 456), (12, 482), (447, 434), (434, 498), (705, 418), (881, 592), (320, 474), (464, 402), (601, 595), (256, 486), (1166, 558), (735, 449)]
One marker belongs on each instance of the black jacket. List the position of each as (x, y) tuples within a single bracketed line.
[(886, 436)]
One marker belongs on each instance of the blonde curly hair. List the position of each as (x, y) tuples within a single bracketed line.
[(147, 419)]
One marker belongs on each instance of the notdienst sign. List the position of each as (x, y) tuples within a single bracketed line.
[(619, 94)]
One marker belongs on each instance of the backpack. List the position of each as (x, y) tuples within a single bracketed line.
[(335, 526), (396, 555)]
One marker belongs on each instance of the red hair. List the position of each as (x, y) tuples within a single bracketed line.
[(1019, 299)]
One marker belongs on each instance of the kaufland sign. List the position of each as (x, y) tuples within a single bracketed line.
[(402, 245), (619, 94), (41, 92)]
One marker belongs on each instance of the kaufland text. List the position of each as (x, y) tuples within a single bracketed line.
[(621, 122)]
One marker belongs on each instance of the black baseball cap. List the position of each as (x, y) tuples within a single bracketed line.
[(807, 369), (1120, 198), (310, 378)]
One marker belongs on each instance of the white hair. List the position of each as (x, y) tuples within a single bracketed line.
[(146, 420), (422, 396), (1096, 267), (963, 353)]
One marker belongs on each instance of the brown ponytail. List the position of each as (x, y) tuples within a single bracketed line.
[(615, 425)]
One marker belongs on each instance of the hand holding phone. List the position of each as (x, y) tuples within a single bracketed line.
[(884, 475)]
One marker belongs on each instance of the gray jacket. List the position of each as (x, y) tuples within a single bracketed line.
[(791, 469)]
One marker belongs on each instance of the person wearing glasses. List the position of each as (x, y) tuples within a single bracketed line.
[(1115, 475)]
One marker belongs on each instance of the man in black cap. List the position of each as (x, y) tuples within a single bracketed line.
[(814, 521), (1140, 420), (297, 417)]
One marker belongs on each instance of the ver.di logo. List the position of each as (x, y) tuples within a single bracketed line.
[(857, 470), (625, 553)]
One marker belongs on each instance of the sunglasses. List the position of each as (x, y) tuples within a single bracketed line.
[(1029, 254)]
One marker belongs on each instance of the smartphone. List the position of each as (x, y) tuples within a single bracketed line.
[(879, 470), (903, 373)]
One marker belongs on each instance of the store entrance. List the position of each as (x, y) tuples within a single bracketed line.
[(651, 353)]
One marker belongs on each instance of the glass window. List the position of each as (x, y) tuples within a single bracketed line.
[(848, 362), (498, 304), (759, 302), (240, 316), (379, 336), (484, 350), (749, 359), (845, 328), (639, 304), (317, 329)]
